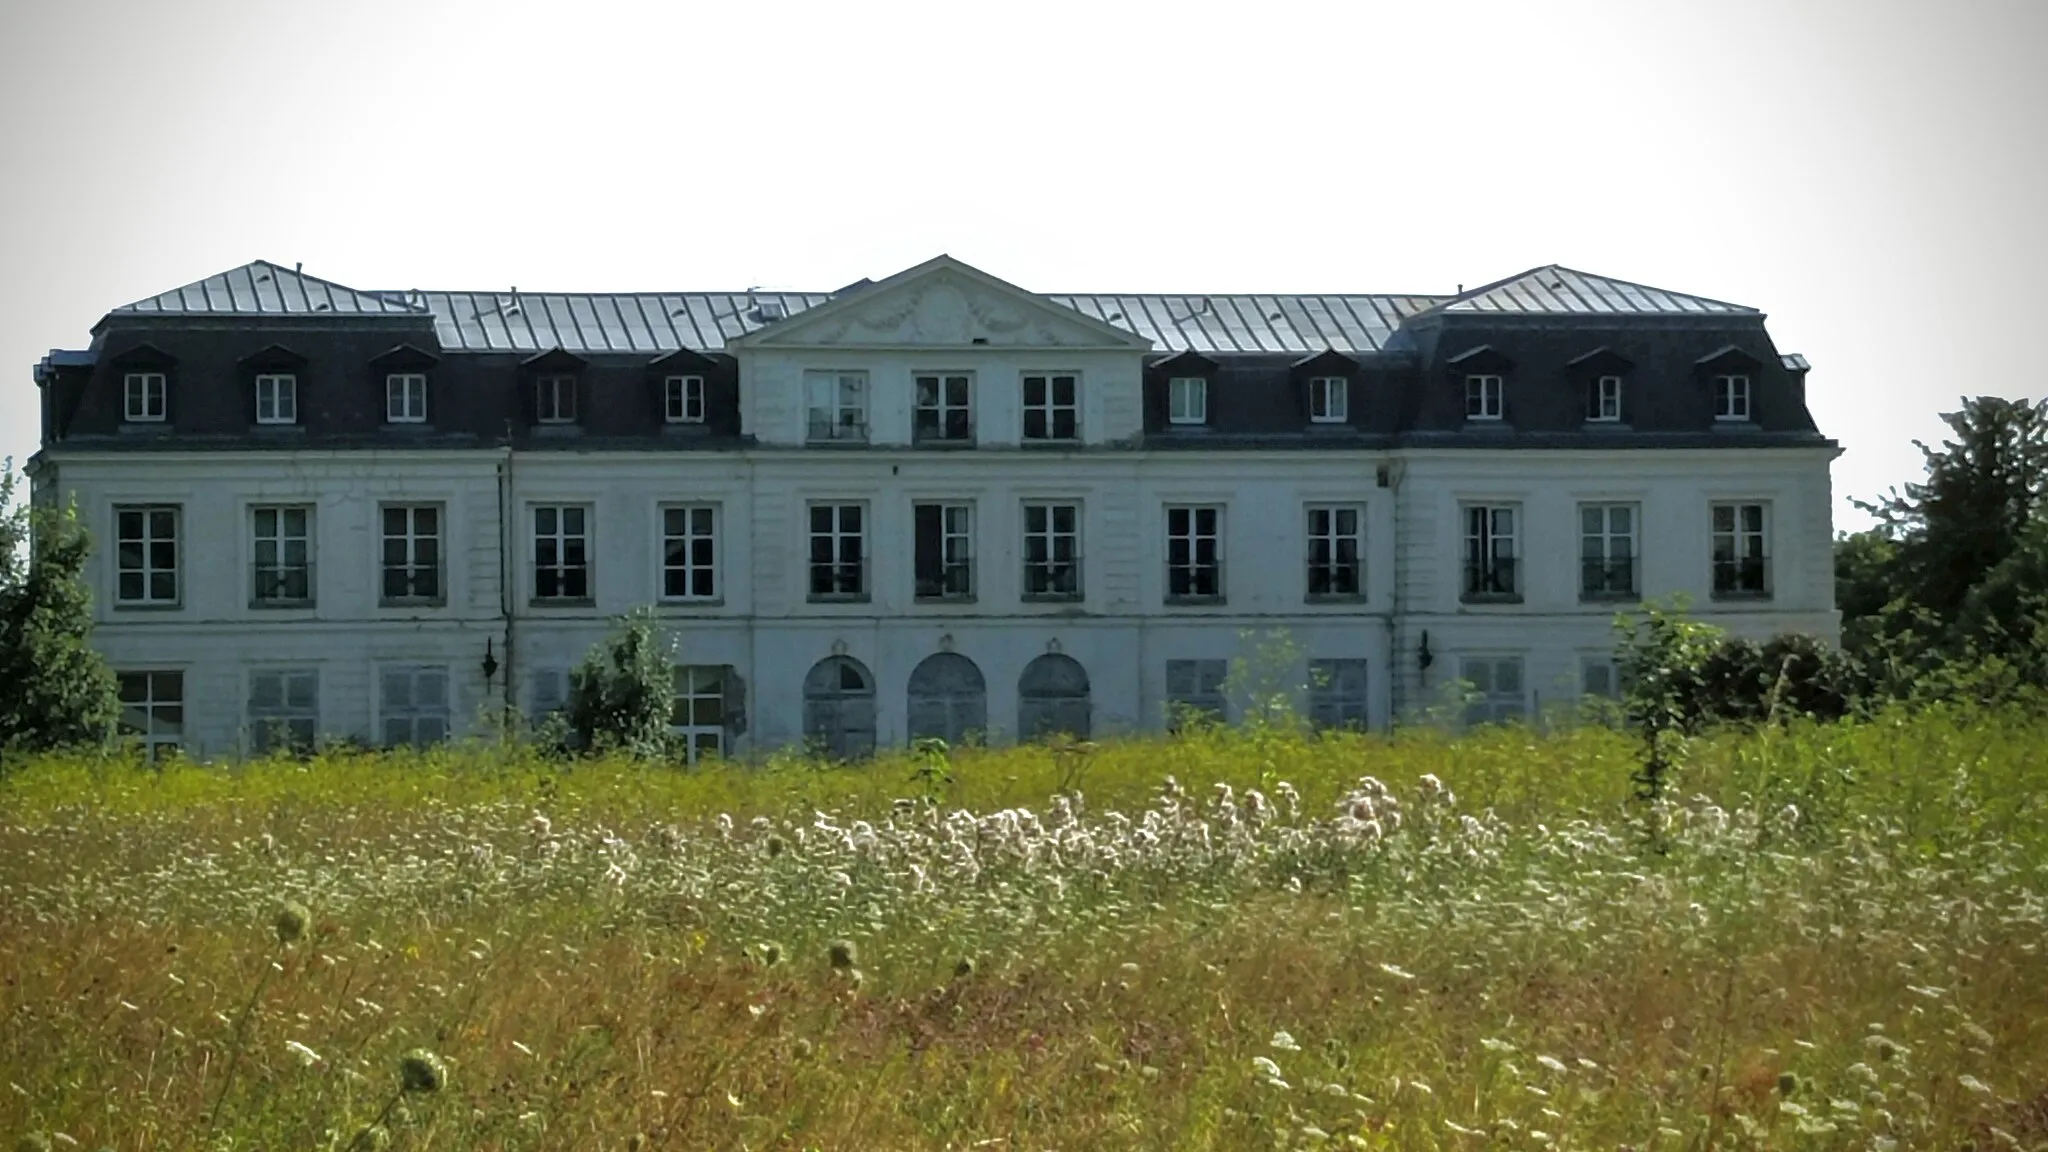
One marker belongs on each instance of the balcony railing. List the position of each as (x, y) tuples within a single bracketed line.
[(839, 579), (1492, 579), (281, 585), (1607, 579), (841, 431), (950, 581)]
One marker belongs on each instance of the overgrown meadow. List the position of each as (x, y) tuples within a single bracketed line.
[(1825, 937)]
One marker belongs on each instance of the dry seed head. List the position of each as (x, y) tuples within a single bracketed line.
[(291, 921), (842, 954), (422, 1071), (1788, 1083), (965, 967), (771, 954), (373, 1136)]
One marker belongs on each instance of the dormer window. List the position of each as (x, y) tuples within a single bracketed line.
[(277, 398), (1329, 400), (1731, 398), (555, 399), (1603, 400), (147, 396), (684, 399), (1187, 400), (1483, 397), (405, 398)]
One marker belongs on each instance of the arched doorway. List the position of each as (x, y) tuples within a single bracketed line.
[(839, 708), (948, 699), (1052, 697)]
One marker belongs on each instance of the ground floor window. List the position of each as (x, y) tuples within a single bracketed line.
[(1052, 698), (697, 715), (948, 699), (412, 703), (839, 708), (153, 711), (1497, 689), (1337, 694), (1194, 689), (284, 709)]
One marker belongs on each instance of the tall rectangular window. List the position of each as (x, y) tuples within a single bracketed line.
[(1497, 693), (284, 709), (282, 547), (1336, 547), (683, 399), (554, 399), (1052, 406), (1329, 400), (1731, 398), (944, 545), (1194, 552), (837, 403), (405, 398), (1052, 551), (1742, 561), (410, 562), (945, 411), (1483, 397), (689, 552), (1194, 689), (1603, 400), (1598, 677), (153, 711), (1607, 551), (147, 554), (839, 568), (1490, 569), (277, 398), (412, 706), (1337, 695), (561, 552), (145, 397), (697, 711), (1187, 400), (547, 694)]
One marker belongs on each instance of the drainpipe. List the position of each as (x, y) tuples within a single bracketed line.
[(505, 570), (1396, 625)]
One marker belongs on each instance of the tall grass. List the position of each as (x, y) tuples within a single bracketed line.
[(1835, 939)]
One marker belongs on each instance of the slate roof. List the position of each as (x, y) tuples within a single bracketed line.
[(657, 322)]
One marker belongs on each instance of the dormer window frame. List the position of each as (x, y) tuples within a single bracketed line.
[(277, 398), (1485, 397), (684, 398), (401, 389), (1734, 398), (145, 397), (550, 389), (1603, 398), (1329, 400), (1187, 401)]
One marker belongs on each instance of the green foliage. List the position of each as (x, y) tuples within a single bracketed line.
[(59, 691), (621, 695)]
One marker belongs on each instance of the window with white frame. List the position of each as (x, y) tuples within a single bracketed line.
[(943, 547), (410, 558), (281, 539), (412, 705), (277, 398), (1741, 546), (683, 399), (697, 711), (1052, 406), (837, 403), (838, 560), (1194, 552), (1497, 692), (1329, 400), (1731, 397), (1607, 551), (1482, 397), (689, 552), (1337, 695), (1336, 550), (1603, 400), (1490, 553), (1187, 400), (561, 552), (145, 397), (284, 709), (554, 399), (945, 408), (1052, 550), (153, 711), (146, 554), (1194, 690), (405, 398)]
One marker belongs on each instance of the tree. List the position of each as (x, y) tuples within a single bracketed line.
[(621, 694), (60, 692)]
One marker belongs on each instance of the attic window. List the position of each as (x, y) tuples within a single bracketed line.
[(684, 399), (1329, 400), (1482, 397), (146, 395), (555, 399), (1187, 400), (1731, 398), (277, 398), (1603, 400)]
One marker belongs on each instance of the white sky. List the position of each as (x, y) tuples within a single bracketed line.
[(1869, 172)]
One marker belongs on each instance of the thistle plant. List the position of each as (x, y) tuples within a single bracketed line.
[(289, 925), (420, 1073)]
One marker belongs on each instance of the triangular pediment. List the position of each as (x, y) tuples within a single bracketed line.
[(942, 303)]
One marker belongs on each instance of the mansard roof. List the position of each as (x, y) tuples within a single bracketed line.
[(260, 288), (1554, 290)]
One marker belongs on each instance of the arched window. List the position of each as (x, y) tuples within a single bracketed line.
[(839, 708), (948, 699), (1052, 698)]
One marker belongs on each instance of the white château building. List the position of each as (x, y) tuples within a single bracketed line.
[(938, 504)]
